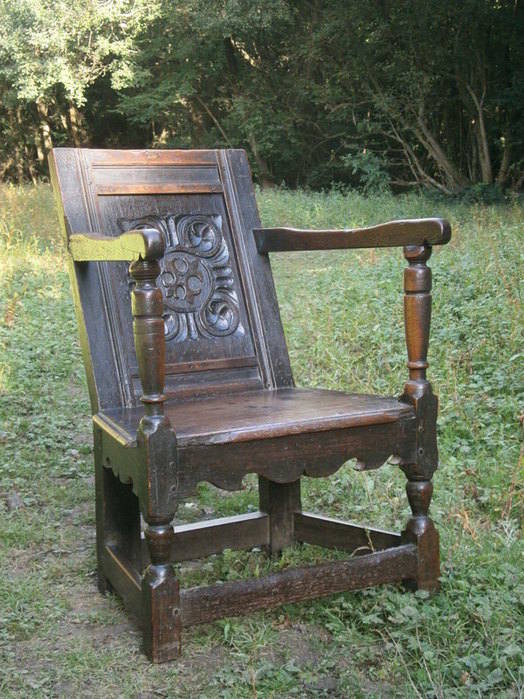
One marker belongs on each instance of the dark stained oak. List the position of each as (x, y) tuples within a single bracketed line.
[(267, 414), (424, 231), (282, 460), (190, 380), (200, 539), (417, 391), (204, 604), (346, 536), (140, 158), (257, 415), (281, 502)]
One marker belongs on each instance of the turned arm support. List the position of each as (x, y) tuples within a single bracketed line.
[(417, 390), (417, 314), (424, 231), (148, 329)]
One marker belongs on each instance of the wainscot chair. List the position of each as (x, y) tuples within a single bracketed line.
[(190, 381)]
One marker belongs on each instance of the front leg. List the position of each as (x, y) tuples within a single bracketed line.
[(158, 501), (417, 391), (157, 489)]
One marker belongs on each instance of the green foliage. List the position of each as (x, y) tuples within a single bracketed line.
[(415, 93), (482, 194), (342, 313), (371, 170), (51, 53)]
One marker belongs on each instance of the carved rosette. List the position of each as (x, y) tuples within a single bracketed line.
[(196, 277)]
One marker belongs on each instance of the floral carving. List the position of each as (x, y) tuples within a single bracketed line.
[(196, 278)]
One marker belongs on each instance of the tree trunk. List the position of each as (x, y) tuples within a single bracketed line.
[(502, 174), (454, 177), (75, 119), (45, 129), (266, 179), (486, 171)]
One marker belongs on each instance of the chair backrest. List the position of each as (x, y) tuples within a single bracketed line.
[(222, 325)]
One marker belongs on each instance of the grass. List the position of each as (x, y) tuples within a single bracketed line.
[(343, 319)]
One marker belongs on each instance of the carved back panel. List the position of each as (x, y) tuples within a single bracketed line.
[(222, 328)]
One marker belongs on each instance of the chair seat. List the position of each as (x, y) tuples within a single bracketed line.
[(264, 414)]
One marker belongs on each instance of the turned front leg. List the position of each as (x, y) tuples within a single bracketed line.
[(161, 595), (417, 391), (158, 487)]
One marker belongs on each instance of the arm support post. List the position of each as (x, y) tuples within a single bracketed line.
[(417, 390), (158, 482), (417, 315), (148, 330)]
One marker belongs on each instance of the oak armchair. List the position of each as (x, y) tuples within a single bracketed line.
[(190, 381)]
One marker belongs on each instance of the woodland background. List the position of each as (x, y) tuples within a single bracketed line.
[(376, 95)]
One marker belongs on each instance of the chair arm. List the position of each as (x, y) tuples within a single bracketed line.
[(143, 248), (417, 237), (423, 231), (144, 244)]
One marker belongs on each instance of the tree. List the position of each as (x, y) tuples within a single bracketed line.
[(403, 92), (51, 52)]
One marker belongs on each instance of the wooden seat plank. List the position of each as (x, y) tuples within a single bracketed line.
[(255, 415)]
